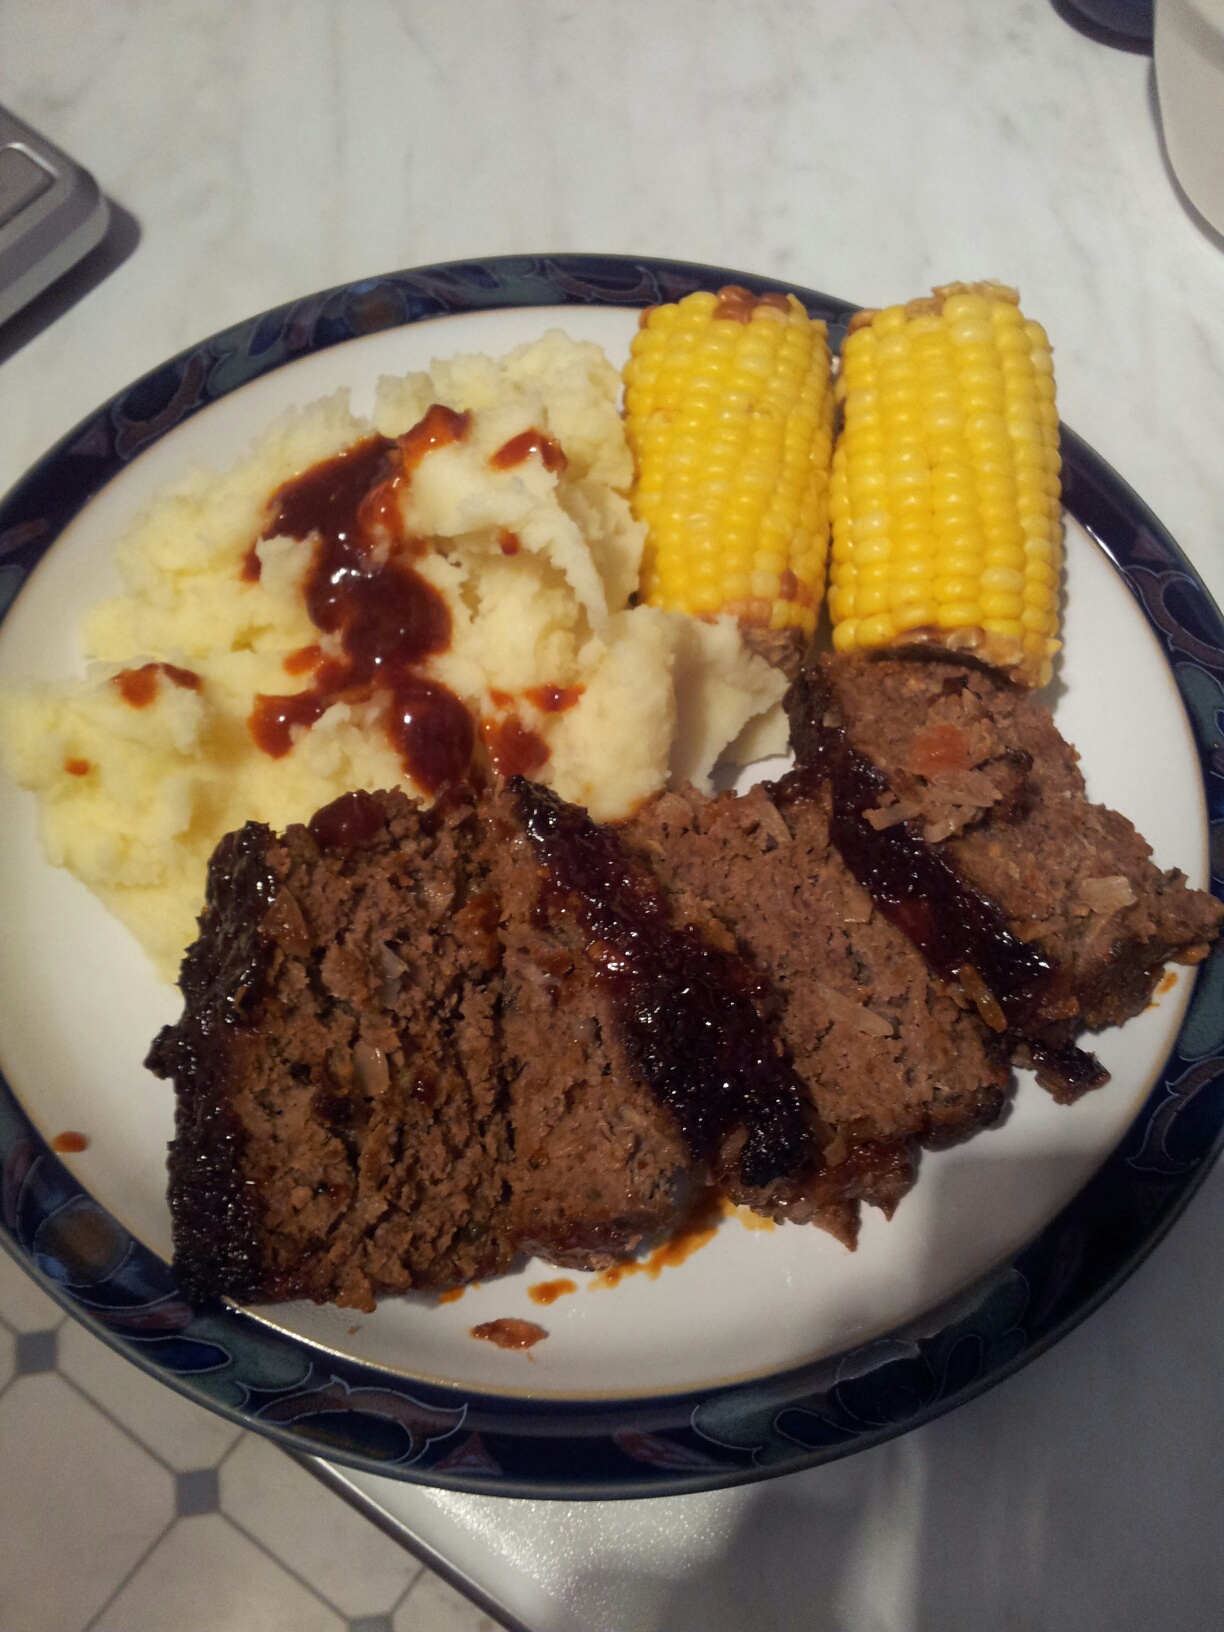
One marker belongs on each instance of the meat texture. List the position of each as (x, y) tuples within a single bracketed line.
[(412, 1049), (339, 1027), (945, 778), (889, 1059)]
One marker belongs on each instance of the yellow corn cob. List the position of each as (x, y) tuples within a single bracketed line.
[(947, 525), (729, 411)]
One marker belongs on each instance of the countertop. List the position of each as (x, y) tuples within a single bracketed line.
[(867, 148)]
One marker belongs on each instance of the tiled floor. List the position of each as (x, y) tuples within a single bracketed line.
[(124, 1508)]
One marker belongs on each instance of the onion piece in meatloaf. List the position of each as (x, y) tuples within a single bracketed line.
[(418, 1043), (957, 803)]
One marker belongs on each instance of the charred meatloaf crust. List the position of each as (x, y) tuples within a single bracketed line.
[(338, 1127), (957, 803), (417, 1043)]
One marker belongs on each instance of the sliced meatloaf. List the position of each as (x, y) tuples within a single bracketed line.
[(597, 1162), (888, 1057), (417, 1043), (958, 804), (340, 1125), (672, 997)]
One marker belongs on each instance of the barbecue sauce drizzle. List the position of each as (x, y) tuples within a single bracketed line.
[(688, 1012), (951, 923), (514, 750), (362, 589), (138, 687), (521, 447)]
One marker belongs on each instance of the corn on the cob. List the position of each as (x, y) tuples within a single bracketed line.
[(947, 525), (728, 410)]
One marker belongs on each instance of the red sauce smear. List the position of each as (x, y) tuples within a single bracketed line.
[(549, 1291), (553, 699), (501, 699), (1167, 982), (77, 767), (510, 542), (303, 660), (521, 447), (439, 429), (387, 617), (514, 750), (694, 1232), (452, 1294), (509, 1333), (188, 679), (69, 1143), (251, 567), (138, 687)]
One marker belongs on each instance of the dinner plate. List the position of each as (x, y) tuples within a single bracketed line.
[(768, 1349)]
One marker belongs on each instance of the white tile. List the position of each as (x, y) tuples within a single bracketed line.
[(313, 1530), (433, 1606), (7, 1345), (207, 1577), (23, 1303), (183, 1434), (79, 1504)]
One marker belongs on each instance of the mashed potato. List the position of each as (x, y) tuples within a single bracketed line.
[(135, 795)]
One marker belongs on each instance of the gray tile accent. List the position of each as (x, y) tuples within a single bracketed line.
[(35, 1351), (371, 1623), (197, 1491)]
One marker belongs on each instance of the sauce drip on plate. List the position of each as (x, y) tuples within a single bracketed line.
[(510, 1332), (692, 1233), (547, 1292)]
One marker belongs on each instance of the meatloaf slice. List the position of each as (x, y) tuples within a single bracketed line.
[(661, 990), (889, 1059), (598, 1162), (340, 1123), (944, 768)]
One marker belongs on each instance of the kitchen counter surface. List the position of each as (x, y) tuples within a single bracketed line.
[(868, 148)]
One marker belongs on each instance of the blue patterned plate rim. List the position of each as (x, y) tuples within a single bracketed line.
[(355, 1413)]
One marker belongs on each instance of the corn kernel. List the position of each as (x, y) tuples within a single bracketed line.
[(877, 630)]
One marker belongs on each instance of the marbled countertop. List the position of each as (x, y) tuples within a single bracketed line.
[(864, 147)]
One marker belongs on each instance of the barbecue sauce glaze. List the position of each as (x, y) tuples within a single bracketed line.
[(363, 589), (688, 1011)]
